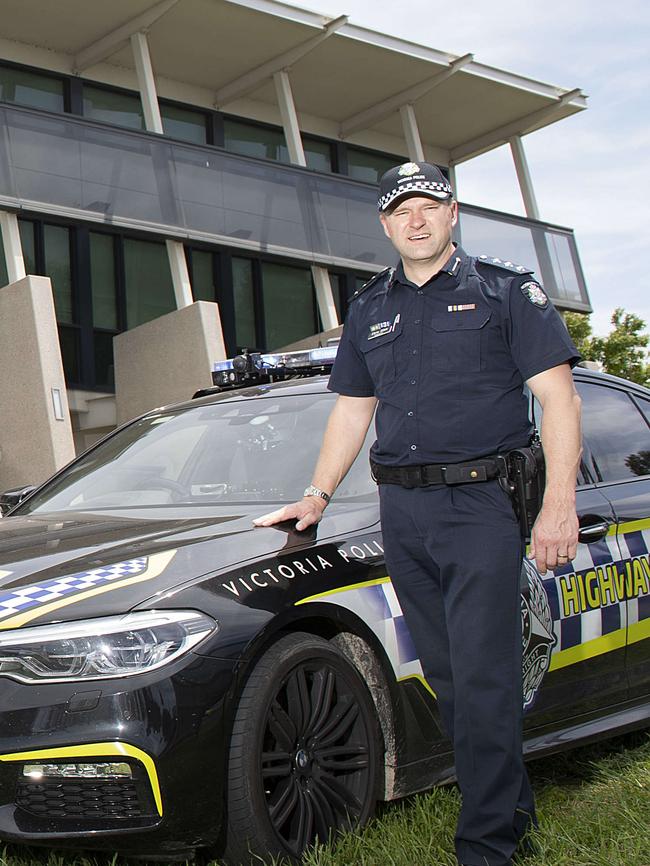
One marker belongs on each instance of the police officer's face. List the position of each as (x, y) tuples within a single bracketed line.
[(420, 228)]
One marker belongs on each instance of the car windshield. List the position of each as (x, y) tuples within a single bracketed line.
[(260, 450)]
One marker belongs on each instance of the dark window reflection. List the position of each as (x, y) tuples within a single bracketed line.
[(617, 437)]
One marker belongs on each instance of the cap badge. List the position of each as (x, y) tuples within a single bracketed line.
[(408, 169), (534, 293)]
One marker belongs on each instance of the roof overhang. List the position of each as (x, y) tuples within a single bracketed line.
[(340, 72)]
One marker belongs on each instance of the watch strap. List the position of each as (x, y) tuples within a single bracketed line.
[(316, 491)]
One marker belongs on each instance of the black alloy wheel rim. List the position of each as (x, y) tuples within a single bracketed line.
[(316, 758)]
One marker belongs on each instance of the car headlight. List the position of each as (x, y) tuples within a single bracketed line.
[(111, 646)]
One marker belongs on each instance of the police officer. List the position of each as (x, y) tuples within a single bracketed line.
[(441, 346)]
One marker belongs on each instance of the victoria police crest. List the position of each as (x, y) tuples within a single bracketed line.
[(537, 633)]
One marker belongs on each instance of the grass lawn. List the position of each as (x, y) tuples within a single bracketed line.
[(593, 803)]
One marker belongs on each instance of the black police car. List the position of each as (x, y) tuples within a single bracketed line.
[(173, 678)]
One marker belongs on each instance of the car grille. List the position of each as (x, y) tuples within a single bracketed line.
[(80, 798)]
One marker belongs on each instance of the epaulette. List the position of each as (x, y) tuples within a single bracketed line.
[(507, 266), (373, 282)]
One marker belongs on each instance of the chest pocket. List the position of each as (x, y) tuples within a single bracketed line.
[(379, 354), (456, 340)]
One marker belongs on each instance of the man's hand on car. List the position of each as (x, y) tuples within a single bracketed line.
[(307, 512)]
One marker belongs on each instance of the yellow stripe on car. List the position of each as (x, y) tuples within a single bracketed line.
[(583, 651), (331, 592), (95, 750)]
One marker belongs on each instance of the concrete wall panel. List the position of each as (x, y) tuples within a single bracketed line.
[(166, 360), (33, 442)]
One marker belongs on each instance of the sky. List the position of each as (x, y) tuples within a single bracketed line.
[(591, 171)]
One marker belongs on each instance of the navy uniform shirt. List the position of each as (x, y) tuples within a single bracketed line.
[(448, 360)]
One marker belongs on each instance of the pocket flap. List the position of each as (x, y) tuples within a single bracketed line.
[(468, 320)]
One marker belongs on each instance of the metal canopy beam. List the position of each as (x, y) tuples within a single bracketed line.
[(378, 112), (518, 127), (116, 39), (250, 80)]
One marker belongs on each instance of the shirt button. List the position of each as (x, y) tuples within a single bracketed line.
[(410, 414), (420, 292), (414, 447), (413, 381), (415, 351), (417, 322)]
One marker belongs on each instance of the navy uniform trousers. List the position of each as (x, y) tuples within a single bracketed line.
[(454, 556)]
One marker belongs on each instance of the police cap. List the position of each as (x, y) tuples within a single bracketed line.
[(412, 178)]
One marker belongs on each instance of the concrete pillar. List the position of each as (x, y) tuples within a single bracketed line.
[(453, 179), (12, 246), (36, 434), (325, 297), (167, 359), (153, 123), (289, 118), (180, 274), (146, 82), (523, 175), (412, 133), (321, 277)]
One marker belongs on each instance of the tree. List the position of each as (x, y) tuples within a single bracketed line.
[(623, 352)]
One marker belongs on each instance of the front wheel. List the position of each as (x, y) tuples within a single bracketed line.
[(304, 755)]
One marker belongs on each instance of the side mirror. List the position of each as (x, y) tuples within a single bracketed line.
[(13, 497)]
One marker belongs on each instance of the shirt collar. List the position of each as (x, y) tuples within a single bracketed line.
[(454, 266)]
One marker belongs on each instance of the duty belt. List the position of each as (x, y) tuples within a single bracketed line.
[(471, 472)]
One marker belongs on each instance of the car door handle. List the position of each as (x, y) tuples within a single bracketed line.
[(593, 532)]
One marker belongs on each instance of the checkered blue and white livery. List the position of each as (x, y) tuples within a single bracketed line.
[(587, 597), (37, 594), (573, 623)]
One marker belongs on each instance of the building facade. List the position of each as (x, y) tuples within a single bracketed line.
[(157, 154)]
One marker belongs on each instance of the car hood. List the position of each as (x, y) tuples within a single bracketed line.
[(65, 565)]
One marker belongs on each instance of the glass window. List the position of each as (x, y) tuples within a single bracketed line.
[(616, 436), (31, 88), (564, 269), (56, 241), (104, 364), (102, 281), (202, 276), (122, 109), (69, 342), (289, 309), (148, 282), (26, 229), (249, 139), (368, 166), (184, 123), (4, 277), (318, 154), (244, 303), (241, 453)]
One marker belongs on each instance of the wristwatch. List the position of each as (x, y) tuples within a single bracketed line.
[(316, 491)]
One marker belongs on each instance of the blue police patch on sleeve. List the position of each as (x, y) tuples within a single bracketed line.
[(534, 293)]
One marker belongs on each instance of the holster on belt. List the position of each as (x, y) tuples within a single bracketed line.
[(525, 483)]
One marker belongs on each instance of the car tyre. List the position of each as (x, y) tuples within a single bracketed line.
[(305, 752)]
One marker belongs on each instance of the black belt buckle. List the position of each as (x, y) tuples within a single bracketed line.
[(457, 473)]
